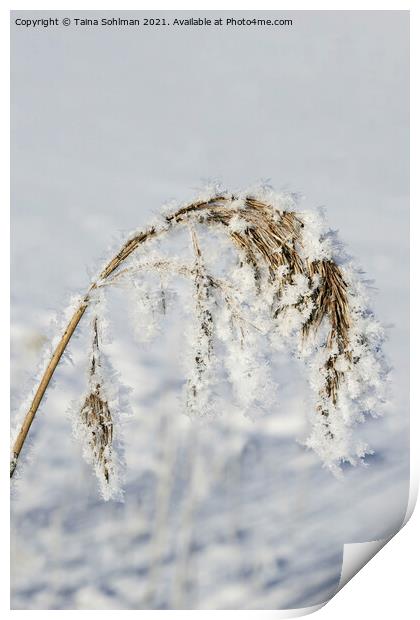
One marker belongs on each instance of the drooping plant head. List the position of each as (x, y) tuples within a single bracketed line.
[(286, 283)]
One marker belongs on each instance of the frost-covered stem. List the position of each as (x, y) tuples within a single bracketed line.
[(187, 523), (46, 378), (316, 297), (161, 523), (126, 250), (204, 331)]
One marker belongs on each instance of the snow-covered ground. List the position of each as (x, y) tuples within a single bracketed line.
[(108, 125)]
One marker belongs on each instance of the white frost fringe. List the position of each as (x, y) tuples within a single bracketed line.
[(244, 314)]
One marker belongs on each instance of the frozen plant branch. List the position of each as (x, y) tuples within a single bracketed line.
[(290, 284)]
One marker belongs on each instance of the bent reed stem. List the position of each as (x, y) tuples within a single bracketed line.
[(126, 250), (269, 235), (46, 378)]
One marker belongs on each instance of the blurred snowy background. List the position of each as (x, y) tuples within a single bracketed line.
[(108, 124)]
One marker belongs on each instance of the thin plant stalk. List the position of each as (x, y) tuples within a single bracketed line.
[(126, 250), (268, 237), (46, 378)]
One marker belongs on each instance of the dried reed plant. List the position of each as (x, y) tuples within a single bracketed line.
[(95, 415), (295, 271)]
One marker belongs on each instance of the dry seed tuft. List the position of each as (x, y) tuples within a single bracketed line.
[(96, 424), (311, 296)]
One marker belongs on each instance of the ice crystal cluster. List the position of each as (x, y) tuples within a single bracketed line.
[(97, 417), (262, 275)]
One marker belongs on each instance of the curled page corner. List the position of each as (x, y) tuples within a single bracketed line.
[(356, 556), (413, 495), (304, 611), (295, 613)]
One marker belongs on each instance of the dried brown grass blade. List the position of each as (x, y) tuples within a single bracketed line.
[(272, 238), (97, 419)]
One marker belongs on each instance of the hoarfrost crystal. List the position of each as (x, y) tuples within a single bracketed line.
[(268, 274)]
